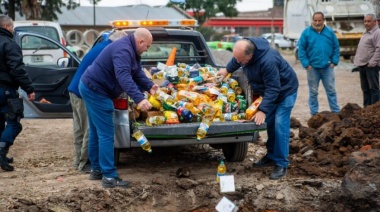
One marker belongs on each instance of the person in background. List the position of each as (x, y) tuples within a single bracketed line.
[(12, 76), (270, 75), (80, 121), (367, 59), (318, 52), (117, 69)]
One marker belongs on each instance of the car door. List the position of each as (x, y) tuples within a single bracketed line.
[(51, 76)]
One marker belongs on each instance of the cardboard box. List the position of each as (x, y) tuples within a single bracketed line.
[(144, 115)]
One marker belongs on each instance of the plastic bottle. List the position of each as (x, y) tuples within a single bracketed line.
[(155, 120), (232, 83), (155, 103), (231, 95), (164, 97), (192, 96), (158, 75), (221, 171), (203, 127), (185, 113), (253, 108), (143, 141), (224, 88)]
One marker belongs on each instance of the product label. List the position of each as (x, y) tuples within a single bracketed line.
[(203, 126), (142, 139)]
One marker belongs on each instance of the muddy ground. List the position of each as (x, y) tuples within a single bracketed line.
[(44, 179)]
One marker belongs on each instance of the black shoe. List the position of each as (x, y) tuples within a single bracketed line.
[(264, 162), (95, 175), (278, 173), (86, 168), (10, 160), (5, 165), (113, 182)]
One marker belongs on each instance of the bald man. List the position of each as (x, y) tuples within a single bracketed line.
[(272, 77), (117, 69)]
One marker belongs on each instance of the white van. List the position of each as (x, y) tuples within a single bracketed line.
[(37, 51)]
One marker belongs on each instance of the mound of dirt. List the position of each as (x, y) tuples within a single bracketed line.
[(323, 149)]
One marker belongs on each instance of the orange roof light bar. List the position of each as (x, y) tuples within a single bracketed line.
[(153, 23)]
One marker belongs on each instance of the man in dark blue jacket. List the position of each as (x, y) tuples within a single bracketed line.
[(270, 75), (12, 76), (80, 120), (117, 69)]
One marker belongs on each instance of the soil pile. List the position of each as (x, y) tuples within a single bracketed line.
[(323, 149)]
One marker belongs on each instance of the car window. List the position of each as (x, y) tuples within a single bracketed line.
[(158, 50), (50, 32), (39, 51)]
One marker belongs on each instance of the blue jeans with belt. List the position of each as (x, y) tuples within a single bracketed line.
[(100, 111), (278, 129), (327, 76), (12, 128)]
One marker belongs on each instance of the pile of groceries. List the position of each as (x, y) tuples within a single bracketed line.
[(194, 93)]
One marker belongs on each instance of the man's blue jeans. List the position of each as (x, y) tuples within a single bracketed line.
[(278, 129), (327, 76), (101, 131), (9, 131)]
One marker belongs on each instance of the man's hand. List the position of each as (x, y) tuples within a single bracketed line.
[(154, 88), (144, 105), (309, 68), (332, 66), (222, 72), (31, 96), (259, 117)]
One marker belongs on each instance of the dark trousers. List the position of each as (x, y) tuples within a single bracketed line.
[(369, 81), (9, 129)]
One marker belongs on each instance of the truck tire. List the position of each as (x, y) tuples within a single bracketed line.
[(346, 57), (235, 152)]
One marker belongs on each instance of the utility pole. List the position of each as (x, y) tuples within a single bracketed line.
[(94, 13)]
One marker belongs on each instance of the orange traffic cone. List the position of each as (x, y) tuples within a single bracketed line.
[(171, 57)]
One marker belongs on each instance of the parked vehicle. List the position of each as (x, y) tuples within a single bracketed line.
[(280, 42), (34, 52), (344, 17), (51, 84), (227, 42)]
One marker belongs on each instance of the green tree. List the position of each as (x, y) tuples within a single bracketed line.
[(38, 9), (205, 9)]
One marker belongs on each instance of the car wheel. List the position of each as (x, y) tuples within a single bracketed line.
[(235, 152)]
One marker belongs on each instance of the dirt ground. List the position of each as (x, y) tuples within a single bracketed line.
[(44, 179)]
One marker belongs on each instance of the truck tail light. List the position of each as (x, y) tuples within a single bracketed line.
[(121, 103)]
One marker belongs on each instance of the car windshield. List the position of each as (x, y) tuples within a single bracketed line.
[(50, 32), (160, 51)]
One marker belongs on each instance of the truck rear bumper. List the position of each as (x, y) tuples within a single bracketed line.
[(184, 133)]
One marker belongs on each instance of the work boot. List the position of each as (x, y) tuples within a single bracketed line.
[(264, 162), (114, 182), (4, 164), (278, 173)]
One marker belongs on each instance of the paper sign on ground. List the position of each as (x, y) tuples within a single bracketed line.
[(227, 183)]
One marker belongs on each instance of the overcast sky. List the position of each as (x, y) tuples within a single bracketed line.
[(245, 5)]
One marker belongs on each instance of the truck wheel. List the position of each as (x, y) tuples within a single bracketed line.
[(235, 152)]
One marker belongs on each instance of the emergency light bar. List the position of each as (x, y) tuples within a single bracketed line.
[(153, 23)]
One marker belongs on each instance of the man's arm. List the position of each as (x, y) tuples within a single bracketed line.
[(16, 67), (302, 49), (375, 60), (336, 50)]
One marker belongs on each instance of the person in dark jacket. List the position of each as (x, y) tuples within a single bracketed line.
[(117, 69), (270, 75), (80, 120), (12, 76)]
